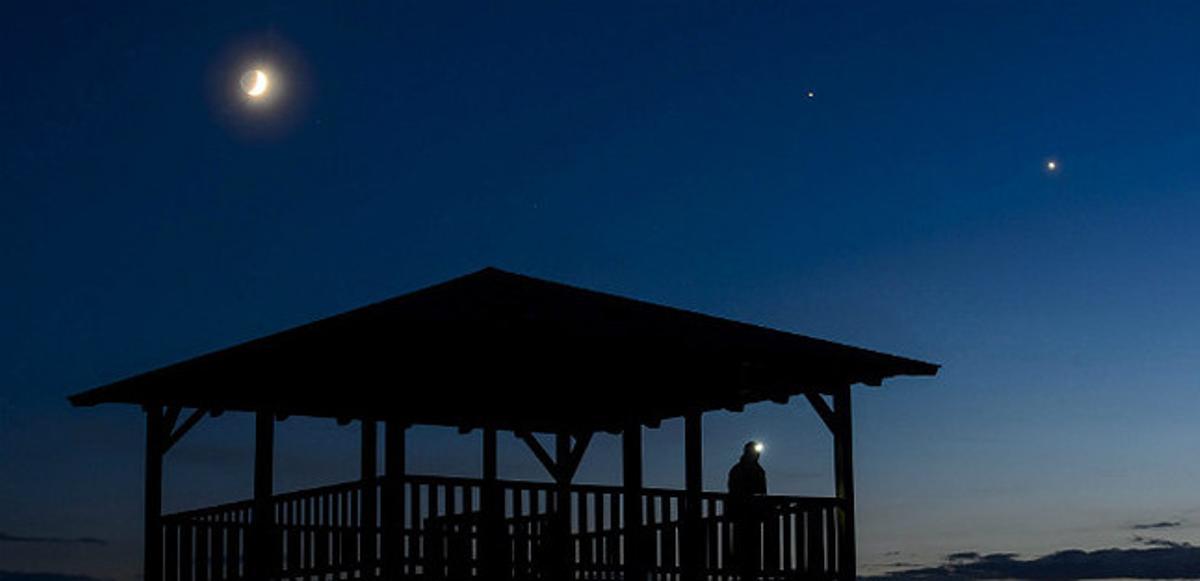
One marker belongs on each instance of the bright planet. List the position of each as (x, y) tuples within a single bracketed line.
[(255, 83)]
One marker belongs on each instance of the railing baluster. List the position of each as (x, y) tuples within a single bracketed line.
[(662, 517), (309, 535), (542, 506), (831, 539), (416, 538), (202, 552), (332, 515), (472, 529), (452, 531), (579, 549), (336, 503), (433, 548), (301, 534), (323, 548), (518, 537), (171, 554), (814, 541), (274, 537), (727, 542), (788, 547), (291, 538), (345, 522), (616, 542), (216, 557), (539, 505), (228, 538), (353, 527), (601, 528), (771, 552), (185, 552), (233, 546), (707, 536), (330, 520), (320, 533)]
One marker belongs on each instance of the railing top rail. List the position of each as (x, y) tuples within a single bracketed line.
[(776, 500), (780, 499), (210, 510)]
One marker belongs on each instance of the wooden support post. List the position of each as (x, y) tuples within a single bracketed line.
[(843, 455), (564, 553), (369, 518), (393, 501), (494, 545), (693, 539), (263, 559), (152, 563), (635, 550)]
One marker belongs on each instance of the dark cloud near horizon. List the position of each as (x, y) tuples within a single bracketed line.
[(902, 564), (21, 576), (1166, 524), (1157, 542), (7, 538), (1163, 559)]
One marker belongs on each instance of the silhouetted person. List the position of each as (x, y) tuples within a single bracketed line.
[(747, 479)]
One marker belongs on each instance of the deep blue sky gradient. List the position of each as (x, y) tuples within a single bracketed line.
[(665, 151)]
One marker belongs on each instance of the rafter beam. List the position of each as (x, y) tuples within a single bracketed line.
[(558, 471), (169, 419), (178, 433), (577, 451), (544, 457), (822, 408)]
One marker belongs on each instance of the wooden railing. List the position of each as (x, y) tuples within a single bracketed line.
[(322, 533)]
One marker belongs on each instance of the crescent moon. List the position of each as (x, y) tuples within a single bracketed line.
[(260, 84)]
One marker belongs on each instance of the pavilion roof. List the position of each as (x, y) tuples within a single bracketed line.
[(511, 352)]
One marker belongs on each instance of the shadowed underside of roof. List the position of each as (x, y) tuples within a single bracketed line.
[(511, 352)]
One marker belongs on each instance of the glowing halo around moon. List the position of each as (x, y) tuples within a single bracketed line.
[(259, 88), (255, 83)]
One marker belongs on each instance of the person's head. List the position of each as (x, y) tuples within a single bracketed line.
[(751, 450)]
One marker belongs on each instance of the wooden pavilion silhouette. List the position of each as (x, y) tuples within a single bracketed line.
[(496, 351)]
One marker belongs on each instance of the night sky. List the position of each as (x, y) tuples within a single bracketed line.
[(667, 151)]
